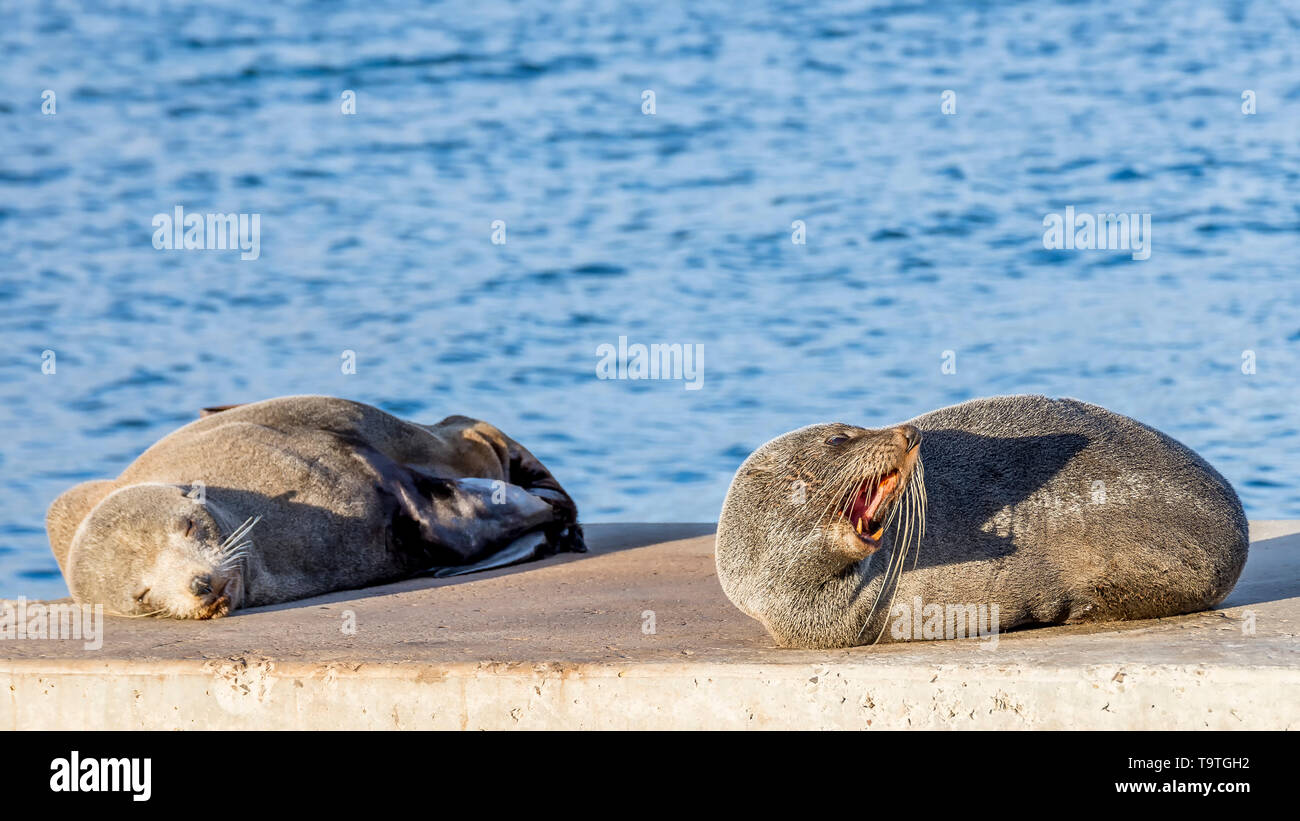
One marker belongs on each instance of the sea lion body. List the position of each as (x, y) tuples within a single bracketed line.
[(347, 496), (1054, 510)]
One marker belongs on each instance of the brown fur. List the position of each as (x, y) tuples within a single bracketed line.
[(1052, 509), (348, 496)]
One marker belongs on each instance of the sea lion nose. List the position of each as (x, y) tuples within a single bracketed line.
[(201, 585), (911, 435)]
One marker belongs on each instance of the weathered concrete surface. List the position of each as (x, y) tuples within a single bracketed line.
[(563, 644)]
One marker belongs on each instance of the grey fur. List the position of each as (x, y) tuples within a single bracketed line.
[(347, 496), (1014, 516)]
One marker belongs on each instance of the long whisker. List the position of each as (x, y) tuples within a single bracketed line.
[(908, 520), (140, 615), (230, 563), (897, 567), (915, 509), (888, 574), (236, 554), (839, 489), (839, 485), (912, 507), (239, 532), (919, 476), (834, 493)]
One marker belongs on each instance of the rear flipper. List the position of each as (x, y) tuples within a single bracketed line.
[(518, 467), (546, 530), (436, 522), (564, 534), (501, 512)]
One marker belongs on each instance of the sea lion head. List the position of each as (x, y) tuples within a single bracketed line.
[(153, 549), (836, 482), (810, 508)]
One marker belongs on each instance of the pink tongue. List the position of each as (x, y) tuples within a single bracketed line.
[(872, 504), (885, 486)]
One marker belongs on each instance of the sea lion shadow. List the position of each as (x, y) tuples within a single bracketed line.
[(1272, 573), (972, 483)]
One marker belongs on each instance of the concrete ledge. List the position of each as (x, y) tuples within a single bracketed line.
[(562, 644)]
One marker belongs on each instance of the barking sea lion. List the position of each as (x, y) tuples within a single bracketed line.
[(302, 495), (1043, 511)]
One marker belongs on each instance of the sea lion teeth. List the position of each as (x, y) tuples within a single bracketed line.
[(1125, 559)]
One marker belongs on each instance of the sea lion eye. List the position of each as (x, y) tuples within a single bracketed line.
[(189, 528), (139, 597), (837, 439)]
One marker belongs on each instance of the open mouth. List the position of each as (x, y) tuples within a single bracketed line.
[(870, 507)]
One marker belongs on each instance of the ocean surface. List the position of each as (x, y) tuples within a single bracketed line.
[(923, 279)]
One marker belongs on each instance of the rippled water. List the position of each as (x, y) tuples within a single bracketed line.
[(924, 230)]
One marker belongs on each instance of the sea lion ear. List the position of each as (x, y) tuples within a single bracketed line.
[(211, 409), (67, 513), (759, 464)]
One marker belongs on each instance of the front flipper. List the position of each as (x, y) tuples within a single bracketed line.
[(526, 548)]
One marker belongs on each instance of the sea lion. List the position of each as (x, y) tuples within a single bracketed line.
[(293, 497), (1043, 510)]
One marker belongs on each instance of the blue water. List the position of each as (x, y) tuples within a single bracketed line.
[(924, 230)]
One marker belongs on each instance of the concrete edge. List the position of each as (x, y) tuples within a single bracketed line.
[(252, 693)]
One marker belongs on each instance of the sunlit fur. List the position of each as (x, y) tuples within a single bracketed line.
[(788, 554), (160, 537), (1054, 510), (297, 496)]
